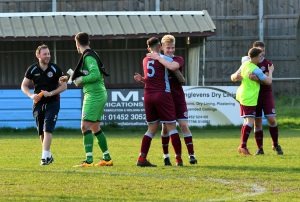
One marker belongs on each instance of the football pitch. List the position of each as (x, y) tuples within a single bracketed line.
[(220, 175)]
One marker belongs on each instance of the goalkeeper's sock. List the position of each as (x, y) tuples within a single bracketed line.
[(274, 134), (103, 145), (88, 141)]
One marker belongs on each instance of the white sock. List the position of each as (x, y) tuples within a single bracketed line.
[(46, 154), (49, 154), (166, 156)]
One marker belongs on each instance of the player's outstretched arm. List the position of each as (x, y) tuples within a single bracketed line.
[(264, 79), (236, 76), (269, 77), (170, 65), (255, 78)]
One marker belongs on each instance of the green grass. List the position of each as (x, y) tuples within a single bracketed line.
[(221, 175), (287, 109)]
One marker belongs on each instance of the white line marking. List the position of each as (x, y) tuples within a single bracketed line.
[(254, 189)]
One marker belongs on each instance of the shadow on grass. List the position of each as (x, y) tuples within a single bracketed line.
[(209, 132), (256, 168), (57, 197)]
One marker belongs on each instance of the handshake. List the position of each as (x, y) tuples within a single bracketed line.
[(68, 79)]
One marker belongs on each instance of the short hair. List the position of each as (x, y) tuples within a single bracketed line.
[(168, 39), (152, 42), (39, 48), (254, 52), (82, 38), (258, 44)]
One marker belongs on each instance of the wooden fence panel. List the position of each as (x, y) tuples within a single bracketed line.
[(236, 22)]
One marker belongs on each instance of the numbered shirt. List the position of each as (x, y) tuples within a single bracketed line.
[(156, 76)]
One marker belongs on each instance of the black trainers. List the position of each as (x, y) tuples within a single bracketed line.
[(278, 150), (47, 161), (193, 160), (167, 161), (260, 151), (145, 163)]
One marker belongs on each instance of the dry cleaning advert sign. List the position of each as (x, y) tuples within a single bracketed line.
[(206, 106), (212, 105)]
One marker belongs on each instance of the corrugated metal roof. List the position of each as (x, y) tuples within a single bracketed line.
[(30, 26)]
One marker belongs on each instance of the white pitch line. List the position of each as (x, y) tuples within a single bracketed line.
[(85, 170), (255, 189)]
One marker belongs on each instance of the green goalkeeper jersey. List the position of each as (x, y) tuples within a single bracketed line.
[(93, 81)]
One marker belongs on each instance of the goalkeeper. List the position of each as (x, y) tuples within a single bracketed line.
[(89, 74)]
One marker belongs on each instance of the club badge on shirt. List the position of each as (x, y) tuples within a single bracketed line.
[(50, 74)]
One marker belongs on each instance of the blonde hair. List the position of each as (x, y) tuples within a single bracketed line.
[(168, 39)]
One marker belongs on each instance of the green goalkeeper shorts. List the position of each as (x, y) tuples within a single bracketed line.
[(93, 106)]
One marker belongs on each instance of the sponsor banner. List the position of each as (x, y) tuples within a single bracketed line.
[(212, 105), (215, 105), (125, 107)]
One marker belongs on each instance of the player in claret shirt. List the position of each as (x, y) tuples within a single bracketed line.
[(247, 93), (174, 61), (265, 104), (158, 103)]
